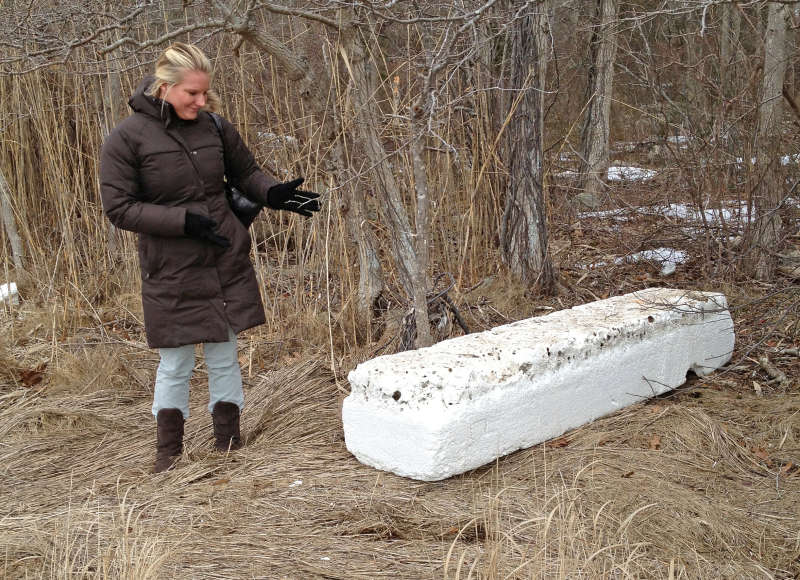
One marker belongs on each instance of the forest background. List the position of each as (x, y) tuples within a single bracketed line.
[(481, 162)]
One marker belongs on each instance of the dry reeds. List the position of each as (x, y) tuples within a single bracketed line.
[(698, 483)]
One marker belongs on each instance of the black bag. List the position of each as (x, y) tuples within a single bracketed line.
[(243, 208)]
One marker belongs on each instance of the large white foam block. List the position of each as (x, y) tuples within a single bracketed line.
[(438, 411)]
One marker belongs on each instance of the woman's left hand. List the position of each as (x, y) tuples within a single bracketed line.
[(287, 196)]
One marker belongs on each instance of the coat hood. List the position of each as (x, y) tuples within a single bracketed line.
[(153, 106)]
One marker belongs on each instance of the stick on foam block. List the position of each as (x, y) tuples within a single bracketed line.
[(438, 411)]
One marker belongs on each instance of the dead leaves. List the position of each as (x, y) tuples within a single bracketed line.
[(762, 455), (784, 467), (32, 377), (558, 443), (654, 443)]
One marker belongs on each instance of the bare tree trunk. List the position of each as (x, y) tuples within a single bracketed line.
[(596, 126), (768, 188), (421, 248), (491, 62), (728, 43), (10, 224), (368, 319), (370, 273), (696, 109), (370, 284), (367, 125), (524, 226)]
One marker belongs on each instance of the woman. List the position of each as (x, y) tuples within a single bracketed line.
[(162, 175)]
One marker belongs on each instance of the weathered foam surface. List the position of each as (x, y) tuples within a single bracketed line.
[(438, 411)]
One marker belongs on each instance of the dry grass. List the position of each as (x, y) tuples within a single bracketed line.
[(700, 483)]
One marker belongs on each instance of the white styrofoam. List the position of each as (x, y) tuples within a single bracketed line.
[(435, 412), (8, 292)]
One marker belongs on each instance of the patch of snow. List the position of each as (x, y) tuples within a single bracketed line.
[(594, 266), (669, 259), (740, 160), (713, 216), (621, 173), (738, 211), (296, 482), (625, 146), (696, 233), (784, 159), (678, 140)]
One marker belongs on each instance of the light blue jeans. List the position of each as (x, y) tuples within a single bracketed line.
[(175, 370)]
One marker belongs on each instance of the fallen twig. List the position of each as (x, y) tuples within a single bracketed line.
[(456, 314), (777, 375), (787, 351)]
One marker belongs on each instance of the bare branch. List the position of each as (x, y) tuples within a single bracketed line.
[(163, 38), (286, 11), (469, 17)]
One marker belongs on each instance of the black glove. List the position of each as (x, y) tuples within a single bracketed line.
[(200, 227), (287, 196)]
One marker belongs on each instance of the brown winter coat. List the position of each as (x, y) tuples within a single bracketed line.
[(154, 167)]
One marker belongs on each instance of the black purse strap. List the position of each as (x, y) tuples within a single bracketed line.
[(243, 207), (218, 125)]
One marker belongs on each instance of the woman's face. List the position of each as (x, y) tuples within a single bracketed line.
[(189, 95)]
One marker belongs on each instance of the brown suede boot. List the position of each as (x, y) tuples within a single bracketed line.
[(226, 426), (170, 439)]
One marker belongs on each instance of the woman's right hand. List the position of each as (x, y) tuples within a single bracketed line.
[(200, 227)]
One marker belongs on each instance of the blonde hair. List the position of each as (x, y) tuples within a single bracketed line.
[(174, 62)]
